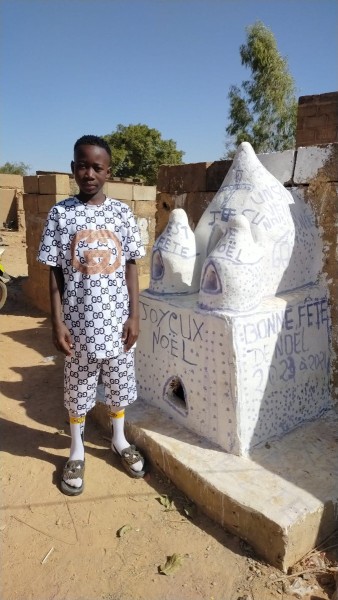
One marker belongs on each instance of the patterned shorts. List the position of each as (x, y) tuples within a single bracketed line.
[(81, 377)]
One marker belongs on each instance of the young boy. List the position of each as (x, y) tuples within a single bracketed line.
[(91, 243)]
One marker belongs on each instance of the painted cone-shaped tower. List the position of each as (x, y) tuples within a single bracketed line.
[(232, 273), (174, 258), (250, 190)]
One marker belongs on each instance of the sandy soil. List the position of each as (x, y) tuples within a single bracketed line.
[(56, 547)]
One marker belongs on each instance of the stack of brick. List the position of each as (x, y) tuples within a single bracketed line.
[(11, 205), (317, 119), (42, 191), (141, 199), (190, 187)]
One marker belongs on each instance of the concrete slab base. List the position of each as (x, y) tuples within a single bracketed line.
[(283, 500)]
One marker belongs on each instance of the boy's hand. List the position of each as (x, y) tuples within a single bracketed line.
[(130, 332), (62, 339)]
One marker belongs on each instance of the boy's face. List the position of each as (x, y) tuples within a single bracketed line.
[(91, 168)]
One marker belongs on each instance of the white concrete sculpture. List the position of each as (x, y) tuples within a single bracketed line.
[(234, 339), (174, 257)]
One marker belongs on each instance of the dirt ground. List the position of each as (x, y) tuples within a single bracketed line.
[(56, 547)]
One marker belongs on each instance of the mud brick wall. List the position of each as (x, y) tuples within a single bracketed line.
[(317, 119), (42, 191), (11, 205)]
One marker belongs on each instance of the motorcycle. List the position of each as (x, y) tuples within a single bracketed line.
[(4, 280)]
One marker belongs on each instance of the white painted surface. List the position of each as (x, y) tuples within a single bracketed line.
[(246, 346), (251, 191), (282, 500), (311, 159), (279, 164), (246, 378), (173, 258)]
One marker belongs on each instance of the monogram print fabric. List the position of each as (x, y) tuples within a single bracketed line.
[(81, 376), (92, 244)]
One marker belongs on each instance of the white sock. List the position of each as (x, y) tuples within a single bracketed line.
[(119, 441), (77, 448)]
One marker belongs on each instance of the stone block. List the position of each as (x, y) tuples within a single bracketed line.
[(119, 191), (163, 179), (306, 137), (144, 192), (177, 179), (11, 181), (46, 201), (31, 184), (327, 135), (330, 97), (306, 110), (54, 184), (73, 187), (315, 160), (281, 500), (30, 203), (216, 171), (279, 164), (329, 109), (195, 205)]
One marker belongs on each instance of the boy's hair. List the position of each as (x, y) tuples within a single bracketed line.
[(93, 140)]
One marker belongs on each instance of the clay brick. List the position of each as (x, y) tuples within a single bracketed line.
[(318, 98), (145, 209), (73, 187), (54, 184), (144, 192), (216, 171), (46, 201), (11, 181), (326, 135), (176, 179), (329, 109), (31, 184), (315, 122), (30, 203), (306, 110), (188, 178), (119, 191), (305, 137), (163, 180), (196, 204)]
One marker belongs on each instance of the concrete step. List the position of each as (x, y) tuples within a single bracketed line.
[(282, 499)]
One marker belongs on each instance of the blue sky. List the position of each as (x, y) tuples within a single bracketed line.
[(70, 67)]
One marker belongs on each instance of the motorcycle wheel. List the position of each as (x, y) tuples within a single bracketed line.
[(3, 293)]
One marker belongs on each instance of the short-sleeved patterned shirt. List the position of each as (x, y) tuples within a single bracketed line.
[(91, 244)]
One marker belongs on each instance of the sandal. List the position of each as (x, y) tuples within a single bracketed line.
[(73, 469), (129, 456)]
